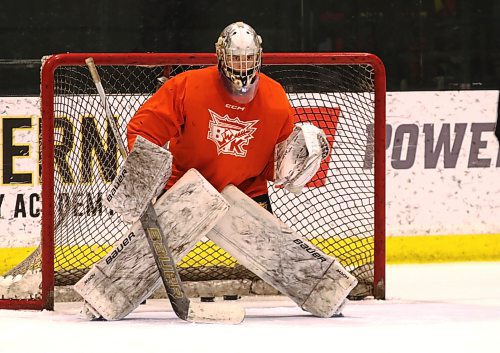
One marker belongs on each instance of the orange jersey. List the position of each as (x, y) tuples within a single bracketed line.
[(227, 142)]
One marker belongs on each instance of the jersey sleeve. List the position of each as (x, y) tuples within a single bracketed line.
[(161, 117)]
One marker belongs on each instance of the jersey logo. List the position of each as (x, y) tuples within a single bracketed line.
[(230, 135)]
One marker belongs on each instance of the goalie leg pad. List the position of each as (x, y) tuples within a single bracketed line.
[(144, 174), (127, 275), (329, 296), (118, 283), (317, 282)]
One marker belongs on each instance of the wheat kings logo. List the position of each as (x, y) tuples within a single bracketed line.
[(230, 135)]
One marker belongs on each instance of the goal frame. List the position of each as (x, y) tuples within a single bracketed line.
[(51, 63)]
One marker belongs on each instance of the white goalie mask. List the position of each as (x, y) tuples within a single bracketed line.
[(239, 53)]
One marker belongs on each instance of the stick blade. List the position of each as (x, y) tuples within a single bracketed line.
[(215, 313)]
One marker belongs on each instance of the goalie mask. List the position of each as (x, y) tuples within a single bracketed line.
[(239, 53)]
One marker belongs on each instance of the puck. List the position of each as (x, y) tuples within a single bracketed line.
[(231, 297), (207, 299)]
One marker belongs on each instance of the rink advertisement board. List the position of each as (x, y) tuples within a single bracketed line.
[(443, 166), (443, 163)]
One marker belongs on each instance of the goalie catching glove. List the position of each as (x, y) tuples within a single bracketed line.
[(299, 157)]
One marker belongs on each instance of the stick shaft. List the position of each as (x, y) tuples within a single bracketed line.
[(109, 115)]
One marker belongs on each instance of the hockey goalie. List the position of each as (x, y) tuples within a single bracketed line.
[(229, 130)]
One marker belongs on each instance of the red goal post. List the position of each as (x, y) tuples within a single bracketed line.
[(342, 210)]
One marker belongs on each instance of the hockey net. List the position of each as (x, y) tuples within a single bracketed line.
[(341, 210)]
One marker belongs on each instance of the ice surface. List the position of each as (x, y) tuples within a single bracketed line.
[(430, 308)]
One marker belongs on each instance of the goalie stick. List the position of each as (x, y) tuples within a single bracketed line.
[(182, 306)]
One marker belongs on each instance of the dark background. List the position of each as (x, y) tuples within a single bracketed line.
[(425, 44)]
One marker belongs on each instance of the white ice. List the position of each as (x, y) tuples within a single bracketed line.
[(429, 308)]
